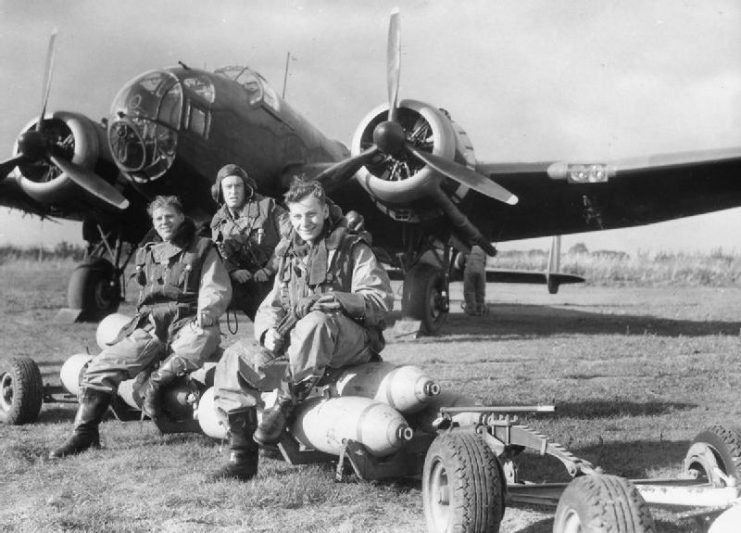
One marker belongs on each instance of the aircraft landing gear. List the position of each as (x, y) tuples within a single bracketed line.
[(426, 297), (95, 289)]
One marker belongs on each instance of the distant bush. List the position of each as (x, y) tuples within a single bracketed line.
[(605, 267), (62, 251)]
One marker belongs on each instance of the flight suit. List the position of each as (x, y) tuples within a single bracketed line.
[(474, 282), (178, 283), (246, 241), (342, 265)]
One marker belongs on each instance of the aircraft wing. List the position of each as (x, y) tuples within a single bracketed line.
[(561, 197)]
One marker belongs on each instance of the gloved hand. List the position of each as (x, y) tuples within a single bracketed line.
[(304, 306), (328, 304), (273, 341), (241, 276), (261, 275)]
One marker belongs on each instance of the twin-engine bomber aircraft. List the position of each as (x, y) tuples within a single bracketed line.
[(410, 170)]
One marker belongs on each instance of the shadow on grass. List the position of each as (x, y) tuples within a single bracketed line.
[(630, 459), (531, 321), (590, 409), (54, 413)]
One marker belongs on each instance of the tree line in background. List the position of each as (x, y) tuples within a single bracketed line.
[(61, 252), (601, 267)]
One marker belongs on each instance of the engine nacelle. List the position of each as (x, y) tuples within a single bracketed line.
[(396, 183), (76, 138)]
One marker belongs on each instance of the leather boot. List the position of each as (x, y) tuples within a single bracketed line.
[(93, 405), (173, 368), (275, 419), (243, 451)]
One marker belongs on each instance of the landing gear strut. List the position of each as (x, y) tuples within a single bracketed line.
[(95, 289)]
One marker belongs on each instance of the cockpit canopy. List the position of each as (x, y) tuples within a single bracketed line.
[(258, 90)]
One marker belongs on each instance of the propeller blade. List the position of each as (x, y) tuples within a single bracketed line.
[(46, 88), (345, 169), (463, 226), (6, 167), (92, 183), (393, 62), (465, 176)]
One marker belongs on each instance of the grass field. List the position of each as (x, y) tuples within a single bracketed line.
[(635, 374)]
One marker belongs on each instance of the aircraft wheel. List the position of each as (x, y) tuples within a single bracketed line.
[(601, 503), (552, 286), (94, 288), (462, 485), (715, 455), (21, 391), (425, 297)]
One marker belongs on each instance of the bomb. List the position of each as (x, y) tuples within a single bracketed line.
[(72, 370), (109, 328), (207, 417), (323, 424), (405, 388)]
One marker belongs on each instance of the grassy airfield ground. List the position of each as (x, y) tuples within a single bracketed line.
[(635, 374)]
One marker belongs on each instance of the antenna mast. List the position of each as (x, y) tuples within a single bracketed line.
[(285, 74)]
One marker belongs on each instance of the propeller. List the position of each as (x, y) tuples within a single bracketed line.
[(335, 175), (393, 63), (466, 176), (33, 145), (46, 87), (391, 140), (91, 182), (6, 167)]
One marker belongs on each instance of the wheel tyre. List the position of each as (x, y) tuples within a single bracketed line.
[(424, 297), (21, 391), (725, 445), (94, 288), (601, 503), (462, 485)]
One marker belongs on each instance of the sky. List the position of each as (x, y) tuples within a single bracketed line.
[(528, 80)]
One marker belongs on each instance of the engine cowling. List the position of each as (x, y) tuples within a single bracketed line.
[(74, 137), (397, 182)]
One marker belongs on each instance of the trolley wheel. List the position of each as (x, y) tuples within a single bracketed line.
[(600, 503), (715, 455), (21, 391), (462, 485)]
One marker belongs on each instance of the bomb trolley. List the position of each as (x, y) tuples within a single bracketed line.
[(468, 460), (467, 457)]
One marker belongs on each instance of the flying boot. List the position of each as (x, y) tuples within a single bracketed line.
[(93, 405), (243, 451), (275, 419), (173, 368)]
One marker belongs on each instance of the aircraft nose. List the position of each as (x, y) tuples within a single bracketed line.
[(127, 146)]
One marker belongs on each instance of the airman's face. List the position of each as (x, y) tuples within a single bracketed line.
[(232, 187), (308, 217), (166, 221)]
